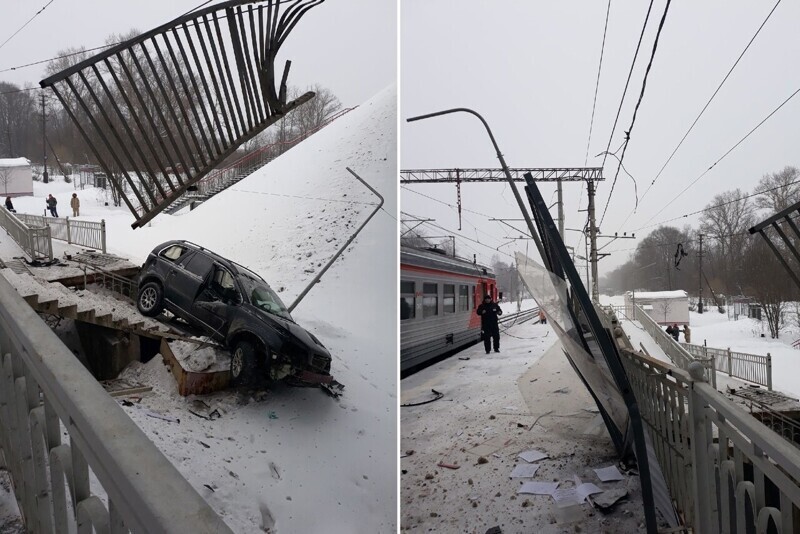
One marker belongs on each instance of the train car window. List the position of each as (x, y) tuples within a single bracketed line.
[(463, 298), (449, 301), (430, 300), (408, 302)]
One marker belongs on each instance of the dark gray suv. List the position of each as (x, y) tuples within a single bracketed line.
[(236, 307)]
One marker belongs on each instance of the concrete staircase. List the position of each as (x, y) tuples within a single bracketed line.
[(82, 305)]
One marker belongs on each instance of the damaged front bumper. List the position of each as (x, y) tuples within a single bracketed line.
[(324, 381)]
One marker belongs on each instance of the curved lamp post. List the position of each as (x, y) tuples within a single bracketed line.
[(514, 189)]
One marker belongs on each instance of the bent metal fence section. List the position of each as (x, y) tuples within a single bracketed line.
[(726, 471), (163, 109), (33, 240), (89, 234), (45, 390), (751, 367)]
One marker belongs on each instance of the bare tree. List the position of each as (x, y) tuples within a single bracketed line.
[(5, 178), (665, 307), (727, 221), (785, 193)]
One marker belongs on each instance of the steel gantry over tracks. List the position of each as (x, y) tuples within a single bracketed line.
[(554, 174), (161, 110)]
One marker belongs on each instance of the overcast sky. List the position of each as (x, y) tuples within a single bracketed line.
[(348, 46), (530, 69)]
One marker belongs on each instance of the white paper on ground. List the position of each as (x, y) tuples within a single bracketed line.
[(608, 474), (576, 494), (532, 455), (538, 488), (524, 470)]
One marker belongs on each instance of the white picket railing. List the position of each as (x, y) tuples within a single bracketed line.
[(751, 367), (44, 391), (89, 234), (33, 239), (726, 471)]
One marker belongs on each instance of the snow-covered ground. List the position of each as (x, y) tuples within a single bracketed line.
[(336, 461), (494, 407)]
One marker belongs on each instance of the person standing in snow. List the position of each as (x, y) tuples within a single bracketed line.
[(542, 317), (687, 334), (75, 204), (489, 311), (669, 330), (51, 205), (675, 332), (10, 205)]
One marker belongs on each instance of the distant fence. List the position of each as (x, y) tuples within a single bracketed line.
[(33, 239), (679, 355), (726, 471), (751, 367), (85, 233), (47, 394)]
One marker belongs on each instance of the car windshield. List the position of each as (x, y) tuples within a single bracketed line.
[(264, 298)]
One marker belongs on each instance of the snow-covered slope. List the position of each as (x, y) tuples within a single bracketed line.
[(337, 459)]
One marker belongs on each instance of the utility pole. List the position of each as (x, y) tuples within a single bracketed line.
[(560, 211), (44, 143), (593, 241), (700, 276)]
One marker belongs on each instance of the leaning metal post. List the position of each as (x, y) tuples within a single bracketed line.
[(502, 164), (343, 247)]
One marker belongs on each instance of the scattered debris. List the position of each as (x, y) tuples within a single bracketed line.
[(274, 470), (267, 519), (206, 445), (482, 460), (273, 415), (494, 530), (608, 499), (532, 455), (538, 488), (609, 474), (210, 487), (436, 397), (463, 358), (525, 471), (119, 387), (163, 417)]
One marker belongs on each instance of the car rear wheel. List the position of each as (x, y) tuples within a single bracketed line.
[(244, 364), (150, 299)]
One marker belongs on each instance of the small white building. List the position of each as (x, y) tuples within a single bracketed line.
[(664, 307), (16, 179)]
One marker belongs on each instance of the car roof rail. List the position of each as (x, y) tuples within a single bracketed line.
[(249, 271), (191, 243)]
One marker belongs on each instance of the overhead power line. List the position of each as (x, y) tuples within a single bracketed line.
[(636, 109), (627, 82), (20, 90), (702, 111), (756, 127), (720, 205), (597, 85), (24, 25)]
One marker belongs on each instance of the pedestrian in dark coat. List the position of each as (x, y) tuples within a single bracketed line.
[(669, 330), (675, 332), (10, 205), (489, 311), (51, 205)]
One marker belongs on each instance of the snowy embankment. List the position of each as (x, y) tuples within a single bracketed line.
[(317, 464)]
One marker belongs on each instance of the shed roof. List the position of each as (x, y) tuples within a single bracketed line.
[(15, 162), (677, 294)]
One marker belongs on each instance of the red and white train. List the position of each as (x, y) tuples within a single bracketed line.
[(438, 298)]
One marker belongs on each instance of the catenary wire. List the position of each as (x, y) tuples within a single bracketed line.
[(756, 127), (636, 109), (28, 22), (705, 107), (597, 84)]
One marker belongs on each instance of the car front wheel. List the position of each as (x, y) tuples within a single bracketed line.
[(244, 364), (150, 299)]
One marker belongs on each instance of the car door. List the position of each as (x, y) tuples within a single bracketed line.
[(213, 303), (185, 280)]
